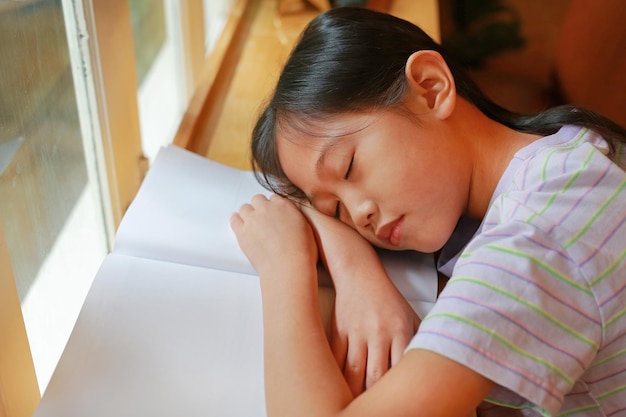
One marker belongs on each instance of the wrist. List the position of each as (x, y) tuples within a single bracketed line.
[(289, 276), (349, 275)]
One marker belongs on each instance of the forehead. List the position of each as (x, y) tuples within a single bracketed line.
[(305, 147), (300, 157), (323, 134), (331, 126)]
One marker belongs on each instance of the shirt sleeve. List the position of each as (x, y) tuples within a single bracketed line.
[(518, 311)]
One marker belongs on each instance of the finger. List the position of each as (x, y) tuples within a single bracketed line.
[(399, 343), (377, 363), (354, 369), (258, 199), (237, 218), (235, 221), (398, 346), (245, 208), (416, 324), (338, 343)]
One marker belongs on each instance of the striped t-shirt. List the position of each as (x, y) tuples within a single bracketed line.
[(537, 300)]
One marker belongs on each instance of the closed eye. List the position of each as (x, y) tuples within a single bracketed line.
[(338, 207)]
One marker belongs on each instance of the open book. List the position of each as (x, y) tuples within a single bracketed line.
[(172, 325)]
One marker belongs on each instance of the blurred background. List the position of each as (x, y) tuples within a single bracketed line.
[(92, 89)]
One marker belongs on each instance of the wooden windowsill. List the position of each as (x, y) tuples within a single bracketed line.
[(243, 67)]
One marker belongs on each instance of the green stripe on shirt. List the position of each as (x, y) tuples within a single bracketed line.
[(564, 189), (505, 342), (618, 261), (531, 306), (595, 215), (546, 267), (546, 164)]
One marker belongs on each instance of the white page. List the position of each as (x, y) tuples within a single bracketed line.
[(177, 217), (182, 212), (160, 339), (415, 276)]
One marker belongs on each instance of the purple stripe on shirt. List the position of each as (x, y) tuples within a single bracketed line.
[(607, 376), (609, 233), (615, 411), (518, 324), (542, 244), (610, 297), (527, 376), (576, 202), (538, 285)]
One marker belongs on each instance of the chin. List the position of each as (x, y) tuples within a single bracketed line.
[(424, 247)]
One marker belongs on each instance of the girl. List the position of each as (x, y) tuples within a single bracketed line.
[(373, 124)]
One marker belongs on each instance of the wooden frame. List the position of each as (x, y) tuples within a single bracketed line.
[(239, 74), (215, 76), (114, 76), (103, 29), (19, 391), (192, 22)]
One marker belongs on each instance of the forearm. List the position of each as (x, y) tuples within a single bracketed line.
[(301, 375), (372, 322), (302, 378), (335, 238)]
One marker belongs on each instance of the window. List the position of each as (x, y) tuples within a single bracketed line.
[(71, 157), (51, 202), (172, 39), (158, 62), (216, 14)]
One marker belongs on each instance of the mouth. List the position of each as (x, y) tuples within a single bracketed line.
[(391, 232)]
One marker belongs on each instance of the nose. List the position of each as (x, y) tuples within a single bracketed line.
[(361, 210)]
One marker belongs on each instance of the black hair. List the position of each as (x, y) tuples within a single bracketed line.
[(353, 59)]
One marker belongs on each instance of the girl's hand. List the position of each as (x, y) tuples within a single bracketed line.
[(275, 236), (372, 323), (371, 327)]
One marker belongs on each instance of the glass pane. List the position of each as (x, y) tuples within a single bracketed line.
[(49, 204), (158, 55), (215, 17), (148, 20)]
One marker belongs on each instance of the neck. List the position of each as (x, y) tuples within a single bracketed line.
[(492, 146)]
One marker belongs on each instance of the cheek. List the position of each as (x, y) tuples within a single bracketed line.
[(428, 236), (412, 180), (433, 209)]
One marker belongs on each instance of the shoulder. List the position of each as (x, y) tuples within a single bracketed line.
[(532, 296), (515, 300), (570, 191), (571, 157)]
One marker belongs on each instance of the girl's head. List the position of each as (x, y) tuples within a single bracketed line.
[(346, 81), (347, 60)]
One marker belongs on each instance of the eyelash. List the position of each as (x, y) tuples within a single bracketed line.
[(337, 208)]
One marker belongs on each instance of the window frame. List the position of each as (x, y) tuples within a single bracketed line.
[(19, 391), (104, 31)]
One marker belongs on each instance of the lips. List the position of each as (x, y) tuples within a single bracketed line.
[(391, 232)]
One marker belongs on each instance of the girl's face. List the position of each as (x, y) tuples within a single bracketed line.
[(400, 184)]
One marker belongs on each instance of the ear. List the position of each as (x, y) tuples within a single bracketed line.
[(431, 82)]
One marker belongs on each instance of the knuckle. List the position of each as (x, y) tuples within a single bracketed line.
[(353, 369), (373, 375)]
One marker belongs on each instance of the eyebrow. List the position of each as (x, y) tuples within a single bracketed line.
[(336, 141), (319, 164), (326, 149)]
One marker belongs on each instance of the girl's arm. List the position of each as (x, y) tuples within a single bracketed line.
[(301, 375), (372, 323)]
